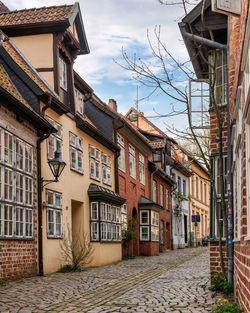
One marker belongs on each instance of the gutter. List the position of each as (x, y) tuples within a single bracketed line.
[(204, 41), (117, 154), (230, 208)]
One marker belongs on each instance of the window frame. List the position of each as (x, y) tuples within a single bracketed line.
[(142, 169), (94, 158), (54, 209), (132, 161), (121, 159), (77, 146), (16, 196), (106, 169), (57, 138)]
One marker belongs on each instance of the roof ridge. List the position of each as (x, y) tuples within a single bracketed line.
[(35, 8)]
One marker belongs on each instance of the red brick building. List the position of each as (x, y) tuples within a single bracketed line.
[(239, 91)]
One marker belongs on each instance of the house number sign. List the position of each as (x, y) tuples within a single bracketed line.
[(226, 6)]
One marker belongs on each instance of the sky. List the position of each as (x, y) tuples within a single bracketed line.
[(113, 25)]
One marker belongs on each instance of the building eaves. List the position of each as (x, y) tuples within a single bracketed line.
[(161, 173)]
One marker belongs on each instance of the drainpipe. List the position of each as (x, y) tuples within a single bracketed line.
[(39, 191), (230, 179), (172, 231), (39, 200)]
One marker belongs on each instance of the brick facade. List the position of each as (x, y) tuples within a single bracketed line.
[(215, 266), (237, 40), (18, 258)]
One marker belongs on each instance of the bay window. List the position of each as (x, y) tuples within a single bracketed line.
[(154, 226), (16, 187), (124, 217), (149, 225), (76, 155), (106, 218)]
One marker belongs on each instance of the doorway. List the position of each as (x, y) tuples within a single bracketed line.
[(185, 229)]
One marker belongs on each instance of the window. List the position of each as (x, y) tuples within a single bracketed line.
[(201, 191), (161, 195), (109, 222), (197, 186), (79, 101), (157, 156), (144, 225), (221, 78), (124, 217), (54, 142), (76, 155), (184, 188), (63, 74), (121, 159), (106, 169), (217, 175), (154, 226), (54, 213), (162, 232), (179, 184), (167, 199), (142, 169), (154, 191), (94, 163), (16, 187), (132, 164)]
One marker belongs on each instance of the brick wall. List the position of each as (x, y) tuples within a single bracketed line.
[(149, 248), (18, 258), (215, 263)]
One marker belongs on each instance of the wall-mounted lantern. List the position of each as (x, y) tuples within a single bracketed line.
[(56, 166)]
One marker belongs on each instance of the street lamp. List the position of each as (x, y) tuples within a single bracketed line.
[(56, 166)]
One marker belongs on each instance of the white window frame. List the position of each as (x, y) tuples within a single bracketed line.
[(106, 169), (75, 147), (141, 217), (55, 139), (121, 159), (55, 209), (63, 77), (94, 162), (154, 191), (15, 197), (141, 233), (167, 199), (217, 176), (161, 195), (142, 169), (132, 161), (223, 85), (124, 216), (79, 101)]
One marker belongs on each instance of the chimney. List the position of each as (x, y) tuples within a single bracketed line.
[(3, 8), (112, 104)]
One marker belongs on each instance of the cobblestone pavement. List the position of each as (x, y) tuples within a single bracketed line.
[(171, 282)]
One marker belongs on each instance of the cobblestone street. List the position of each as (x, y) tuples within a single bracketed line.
[(171, 282)]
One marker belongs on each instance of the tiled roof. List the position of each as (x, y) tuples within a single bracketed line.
[(6, 83), (3, 7), (27, 68), (36, 15)]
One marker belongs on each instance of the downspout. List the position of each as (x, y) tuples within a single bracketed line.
[(39, 200), (230, 178), (39, 191), (172, 213)]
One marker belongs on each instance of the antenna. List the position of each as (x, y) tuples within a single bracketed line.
[(137, 100)]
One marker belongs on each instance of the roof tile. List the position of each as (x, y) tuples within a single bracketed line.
[(36, 15)]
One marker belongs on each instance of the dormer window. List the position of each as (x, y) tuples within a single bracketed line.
[(63, 74), (79, 101)]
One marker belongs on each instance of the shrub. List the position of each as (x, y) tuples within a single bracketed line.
[(219, 283), (224, 306)]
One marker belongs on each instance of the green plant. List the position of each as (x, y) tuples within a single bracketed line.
[(219, 282), (224, 306), (2, 283), (129, 233)]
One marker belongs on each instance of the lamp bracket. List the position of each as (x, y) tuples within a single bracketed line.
[(46, 182)]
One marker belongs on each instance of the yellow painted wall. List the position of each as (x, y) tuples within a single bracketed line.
[(73, 187), (37, 49), (199, 204)]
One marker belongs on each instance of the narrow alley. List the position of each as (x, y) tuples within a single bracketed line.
[(174, 281)]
